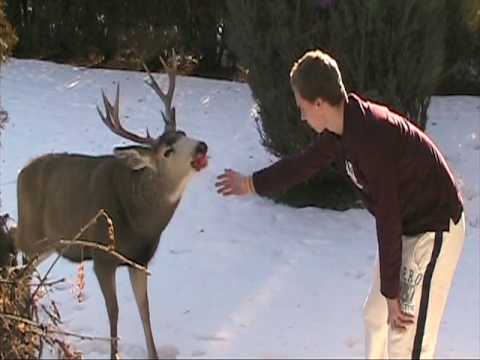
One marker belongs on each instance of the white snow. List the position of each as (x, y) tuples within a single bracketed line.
[(236, 277)]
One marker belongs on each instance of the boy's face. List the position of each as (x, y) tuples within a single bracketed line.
[(311, 112)]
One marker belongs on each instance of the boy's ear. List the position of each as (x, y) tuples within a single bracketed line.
[(136, 157)]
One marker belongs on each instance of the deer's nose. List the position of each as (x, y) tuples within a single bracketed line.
[(202, 148)]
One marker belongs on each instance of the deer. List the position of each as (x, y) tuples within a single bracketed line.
[(139, 186)]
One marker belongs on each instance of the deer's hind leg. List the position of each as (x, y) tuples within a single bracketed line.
[(30, 235)]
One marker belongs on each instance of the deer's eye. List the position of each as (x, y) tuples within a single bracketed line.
[(168, 152)]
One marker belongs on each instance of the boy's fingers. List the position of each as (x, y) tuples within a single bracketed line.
[(223, 189), (407, 315), (407, 319), (227, 183), (222, 176), (403, 321), (222, 182), (229, 175), (397, 324)]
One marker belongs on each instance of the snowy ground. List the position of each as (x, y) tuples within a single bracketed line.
[(237, 277)]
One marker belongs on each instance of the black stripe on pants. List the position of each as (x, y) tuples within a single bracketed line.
[(427, 280)]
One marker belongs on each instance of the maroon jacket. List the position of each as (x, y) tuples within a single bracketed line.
[(400, 175)]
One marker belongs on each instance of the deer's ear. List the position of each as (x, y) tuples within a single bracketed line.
[(136, 157)]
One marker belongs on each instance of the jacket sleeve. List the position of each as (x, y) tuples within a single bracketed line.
[(295, 169), (383, 184)]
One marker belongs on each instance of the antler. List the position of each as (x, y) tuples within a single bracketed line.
[(169, 114), (111, 119)]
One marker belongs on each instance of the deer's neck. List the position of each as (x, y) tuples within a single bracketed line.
[(175, 189), (154, 200), (161, 189)]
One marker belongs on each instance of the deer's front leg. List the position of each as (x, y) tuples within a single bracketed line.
[(106, 278), (139, 280)]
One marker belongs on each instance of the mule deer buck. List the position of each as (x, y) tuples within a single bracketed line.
[(139, 187)]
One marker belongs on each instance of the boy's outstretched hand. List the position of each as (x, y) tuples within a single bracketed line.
[(233, 183)]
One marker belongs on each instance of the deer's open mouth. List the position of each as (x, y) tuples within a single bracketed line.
[(200, 162)]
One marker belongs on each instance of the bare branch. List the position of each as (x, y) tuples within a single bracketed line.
[(80, 336), (108, 249), (41, 329)]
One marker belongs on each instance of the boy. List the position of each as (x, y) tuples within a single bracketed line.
[(403, 181)]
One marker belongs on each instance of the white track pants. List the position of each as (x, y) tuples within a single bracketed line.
[(428, 265)]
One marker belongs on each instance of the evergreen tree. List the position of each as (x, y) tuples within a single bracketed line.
[(118, 33), (461, 74), (268, 36), (391, 50), (8, 38)]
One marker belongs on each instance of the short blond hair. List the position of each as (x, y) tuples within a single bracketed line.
[(316, 75)]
